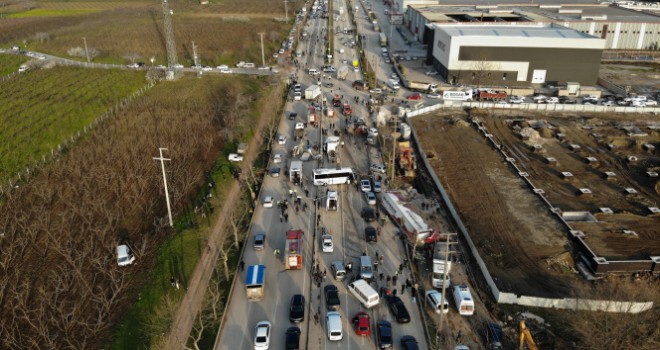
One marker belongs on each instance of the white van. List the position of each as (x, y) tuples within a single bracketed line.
[(463, 300), (249, 65), (313, 71), (367, 296), (366, 269), (124, 255), (333, 326), (434, 300)]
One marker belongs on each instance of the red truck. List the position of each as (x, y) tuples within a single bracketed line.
[(490, 95), (347, 109), (336, 101), (293, 250)]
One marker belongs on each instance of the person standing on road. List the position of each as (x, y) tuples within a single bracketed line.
[(242, 265)]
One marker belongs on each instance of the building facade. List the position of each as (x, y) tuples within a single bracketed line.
[(514, 55)]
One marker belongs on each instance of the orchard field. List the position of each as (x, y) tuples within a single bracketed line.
[(10, 63), (41, 109)]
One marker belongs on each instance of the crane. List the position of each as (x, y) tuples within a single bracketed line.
[(526, 338)]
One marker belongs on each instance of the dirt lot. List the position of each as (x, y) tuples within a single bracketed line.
[(513, 229)]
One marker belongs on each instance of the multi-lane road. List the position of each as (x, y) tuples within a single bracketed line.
[(346, 225)]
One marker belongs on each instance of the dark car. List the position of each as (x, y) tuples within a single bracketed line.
[(259, 241), (398, 309), (370, 234), (384, 334), (331, 297), (567, 100), (293, 338), (408, 342), (275, 172), (360, 85), (293, 115), (368, 214), (297, 308), (494, 336)]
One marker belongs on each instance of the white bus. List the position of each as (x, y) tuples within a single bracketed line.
[(463, 299), (323, 177)]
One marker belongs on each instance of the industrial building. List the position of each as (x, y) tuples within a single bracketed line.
[(513, 54), (621, 28)]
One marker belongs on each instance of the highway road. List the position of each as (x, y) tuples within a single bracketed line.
[(345, 225)]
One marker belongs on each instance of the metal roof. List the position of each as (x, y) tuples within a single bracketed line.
[(513, 31)]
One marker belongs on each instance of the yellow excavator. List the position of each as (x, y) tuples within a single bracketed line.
[(526, 338)]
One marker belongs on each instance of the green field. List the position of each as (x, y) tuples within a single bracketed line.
[(40, 109), (51, 13), (10, 63)]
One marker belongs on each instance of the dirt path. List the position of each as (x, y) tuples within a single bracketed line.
[(189, 307)]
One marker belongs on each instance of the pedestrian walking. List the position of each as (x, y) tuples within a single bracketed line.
[(394, 278), (378, 230), (297, 209), (403, 288), (377, 256), (242, 265), (459, 335), (316, 318), (394, 291), (408, 283), (382, 259), (388, 279), (282, 216), (286, 217), (375, 266), (276, 252), (380, 276), (401, 268)]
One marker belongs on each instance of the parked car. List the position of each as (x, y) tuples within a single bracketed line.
[(434, 96), (293, 115), (259, 241), (371, 198), (376, 91), (275, 172), (384, 334), (370, 234), (277, 158), (493, 336), (552, 100), (368, 214), (414, 96), (262, 335), (540, 98), (398, 309), (297, 308), (222, 67), (377, 186), (516, 99), (408, 342), (268, 201), (292, 338), (365, 185), (377, 168), (331, 297), (281, 140), (362, 324), (233, 157), (207, 69), (326, 242)]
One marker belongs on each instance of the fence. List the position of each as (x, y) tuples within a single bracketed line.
[(511, 298), (55, 152)]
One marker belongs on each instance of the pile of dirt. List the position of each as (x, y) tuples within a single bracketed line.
[(461, 123), (531, 135), (546, 133)]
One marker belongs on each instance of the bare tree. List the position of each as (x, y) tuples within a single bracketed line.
[(42, 36), (132, 56)]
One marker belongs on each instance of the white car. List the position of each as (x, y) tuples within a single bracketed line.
[(434, 298), (281, 51), (371, 198), (651, 103), (226, 71), (552, 100), (233, 157), (379, 168), (277, 158), (276, 55), (540, 99), (262, 335), (356, 69), (434, 96), (268, 201), (517, 99), (365, 186), (178, 66), (207, 69), (326, 242), (376, 91), (281, 139), (608, 103), (222, 67)]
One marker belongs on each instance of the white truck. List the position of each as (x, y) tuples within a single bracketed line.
[(421, 86), (312, 92), (443, 250), (332, 201), (457, 95), (413, 225)]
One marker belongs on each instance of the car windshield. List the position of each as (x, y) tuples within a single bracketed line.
[(261, 339)]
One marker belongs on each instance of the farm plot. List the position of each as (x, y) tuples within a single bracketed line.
[(10, 63), (60, 229), (514, 232), (42, 108), (582, 165)]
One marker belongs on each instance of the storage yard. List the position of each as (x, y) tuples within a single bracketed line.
[(528, 250)]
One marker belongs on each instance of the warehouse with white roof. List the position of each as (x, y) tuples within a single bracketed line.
[(514, 54)]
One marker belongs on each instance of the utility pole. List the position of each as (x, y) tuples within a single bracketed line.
[(172, 60), (86, 51), (444, 278), (286, 12), (395, 136), (195, 54), (263, 59), (167, 195)]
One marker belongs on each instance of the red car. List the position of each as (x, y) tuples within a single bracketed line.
[(414, 96), (362, 324)]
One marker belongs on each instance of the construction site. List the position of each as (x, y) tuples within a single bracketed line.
[(550, 201)]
